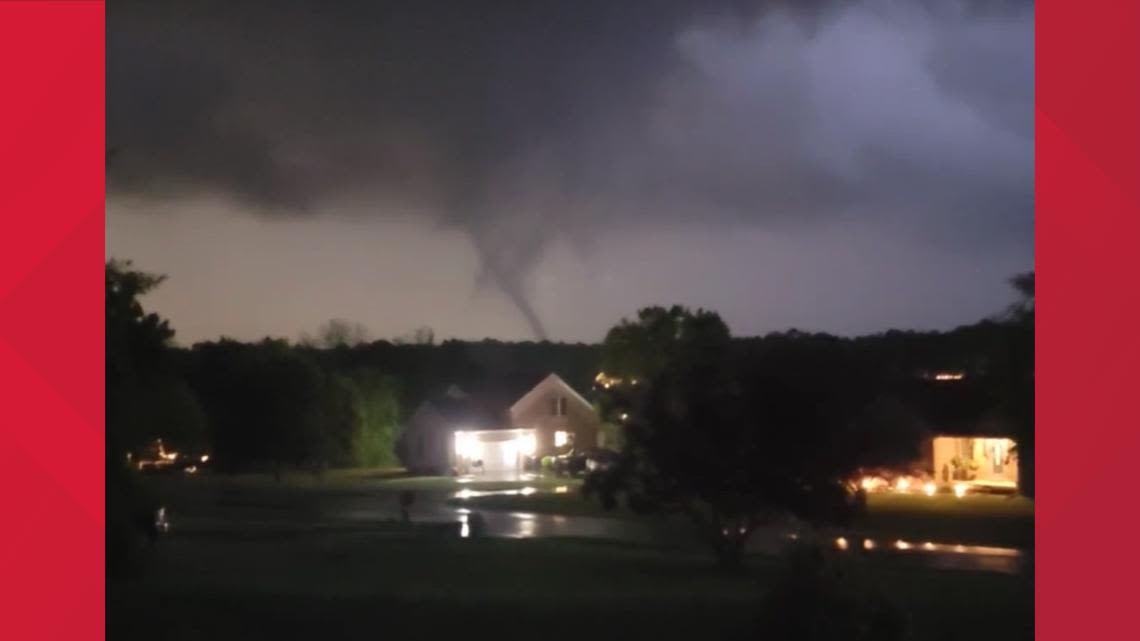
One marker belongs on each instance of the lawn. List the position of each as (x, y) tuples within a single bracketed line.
[(386, 580), (975, 519), (980, 519)]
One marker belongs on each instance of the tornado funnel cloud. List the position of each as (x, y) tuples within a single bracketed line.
[(500, 269)]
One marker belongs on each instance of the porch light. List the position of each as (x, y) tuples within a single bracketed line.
[(561, 438)]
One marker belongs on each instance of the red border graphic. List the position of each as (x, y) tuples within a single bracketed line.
[(51, 319), (1088, 228)]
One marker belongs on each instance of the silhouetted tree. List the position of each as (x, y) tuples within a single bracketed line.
[(270, 405), (727, 441), (145, 399), (337, 332), (1016, 378)]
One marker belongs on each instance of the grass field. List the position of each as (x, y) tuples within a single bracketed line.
[(389, 582), (978, 519), (975, 519), (265, 562)]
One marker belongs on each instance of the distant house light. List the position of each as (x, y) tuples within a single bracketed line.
[(948, 376), (607, 381)]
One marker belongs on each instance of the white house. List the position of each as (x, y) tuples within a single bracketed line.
[(458, 433)]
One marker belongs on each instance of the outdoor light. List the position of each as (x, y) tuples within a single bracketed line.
[(527, 491), (903, 484), (205, 457), (841, 543), (868, 544), (902, 545), (624, 416), (528, 444), (466, 446), (960, 489), (930, 488), (562, 489), (561, 438)]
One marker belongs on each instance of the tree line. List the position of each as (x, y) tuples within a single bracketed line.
[(729, 429), (338, 399)]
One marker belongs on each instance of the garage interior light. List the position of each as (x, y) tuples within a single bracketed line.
[(528, 444)]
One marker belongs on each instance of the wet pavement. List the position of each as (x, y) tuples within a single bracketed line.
[(251, 511), (677, 533)]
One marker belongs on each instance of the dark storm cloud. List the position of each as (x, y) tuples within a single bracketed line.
[(520, 122)]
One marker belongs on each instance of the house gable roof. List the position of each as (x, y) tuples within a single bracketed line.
[(553, 382)]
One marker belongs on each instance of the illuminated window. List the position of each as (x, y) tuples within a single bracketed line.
[(561, 438)]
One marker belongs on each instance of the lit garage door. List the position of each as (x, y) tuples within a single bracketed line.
[(498, 450), (502, 456)]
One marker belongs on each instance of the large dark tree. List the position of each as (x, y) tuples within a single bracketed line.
[(726, 439), (1015, 375), (145, 399), (272, 406)]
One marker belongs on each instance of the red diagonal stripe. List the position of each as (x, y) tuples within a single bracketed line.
[(68, 353)]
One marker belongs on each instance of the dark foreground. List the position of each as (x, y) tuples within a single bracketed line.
[(323, 579)]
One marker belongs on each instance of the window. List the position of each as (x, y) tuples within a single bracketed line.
[(561, 438), (558, 406)]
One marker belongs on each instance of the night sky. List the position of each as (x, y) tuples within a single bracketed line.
[(515, 169)]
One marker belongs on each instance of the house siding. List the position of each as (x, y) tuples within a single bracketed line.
[(580, 420)]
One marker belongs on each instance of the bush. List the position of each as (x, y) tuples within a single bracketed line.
[(822, 595)]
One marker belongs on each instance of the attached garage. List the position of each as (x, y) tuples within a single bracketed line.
[(493, 451)]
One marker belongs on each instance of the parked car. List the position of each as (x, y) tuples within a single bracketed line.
[(578, 463), (600, 459)]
